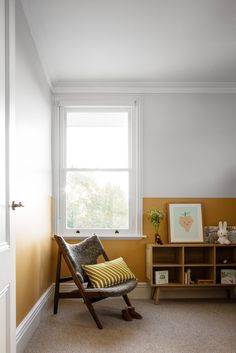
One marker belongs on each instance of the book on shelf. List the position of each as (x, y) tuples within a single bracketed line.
[(185, 278), (228, 276), (188, 277), (161, 277)]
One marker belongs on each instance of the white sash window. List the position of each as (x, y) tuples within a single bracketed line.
[(98, 170)]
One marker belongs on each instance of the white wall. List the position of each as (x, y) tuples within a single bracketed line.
[(189, 145), (189, 140), (33, 118)]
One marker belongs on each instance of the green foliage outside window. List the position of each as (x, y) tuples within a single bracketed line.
[(92, 206)]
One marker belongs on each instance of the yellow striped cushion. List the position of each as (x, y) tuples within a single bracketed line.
[(108, 273)]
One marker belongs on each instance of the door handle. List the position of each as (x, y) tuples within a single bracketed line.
[(14, 205)]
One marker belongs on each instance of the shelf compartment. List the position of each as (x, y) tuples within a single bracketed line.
[(175, 275), (225, 253), (167, 255), (199, 255), (201, 272)]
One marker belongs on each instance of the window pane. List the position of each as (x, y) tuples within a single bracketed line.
[(97, 200), (97, 140)]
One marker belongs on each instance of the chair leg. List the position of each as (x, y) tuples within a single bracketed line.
[(93, 314), (57, 284), (126, 299)]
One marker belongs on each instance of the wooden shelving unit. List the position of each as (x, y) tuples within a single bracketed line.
[(204, 261)]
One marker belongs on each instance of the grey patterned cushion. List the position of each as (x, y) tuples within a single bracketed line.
[(86, 252)]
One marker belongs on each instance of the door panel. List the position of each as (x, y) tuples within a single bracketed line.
[(4, 338), (7, 241), (2, 127)]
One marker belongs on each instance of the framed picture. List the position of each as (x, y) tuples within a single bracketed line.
[(185, 223), (210, 234)]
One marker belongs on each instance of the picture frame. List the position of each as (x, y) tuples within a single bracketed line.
[(185, 223)]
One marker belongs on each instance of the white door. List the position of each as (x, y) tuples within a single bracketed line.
[(7, 241)]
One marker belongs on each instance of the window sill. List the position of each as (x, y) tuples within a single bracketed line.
[(105, 237)]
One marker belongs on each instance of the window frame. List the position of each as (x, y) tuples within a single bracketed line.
[(59, 171)]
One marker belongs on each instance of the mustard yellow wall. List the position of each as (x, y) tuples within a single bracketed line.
[(33, 259), (133, 251)]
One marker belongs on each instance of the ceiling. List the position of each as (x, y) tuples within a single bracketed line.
[(135, 40)]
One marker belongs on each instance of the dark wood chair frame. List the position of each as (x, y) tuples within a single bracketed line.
[(89, 297)]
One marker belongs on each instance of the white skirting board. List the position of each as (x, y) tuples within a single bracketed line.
[(26, 328), (143, 291), (30, 323)]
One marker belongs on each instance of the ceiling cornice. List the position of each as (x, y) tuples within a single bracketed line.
[(67, 87)]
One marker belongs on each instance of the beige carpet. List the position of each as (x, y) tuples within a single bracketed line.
[(171, 327)]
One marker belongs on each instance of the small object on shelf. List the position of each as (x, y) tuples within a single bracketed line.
[(211, 237), (189, 279), (225, 261), (210, 234), (188, 276), (158, 239), (232, 234), (161, 277), (228, 276), (185, 278), (155, 217), (223, 233)]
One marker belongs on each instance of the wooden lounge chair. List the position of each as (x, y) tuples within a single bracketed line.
[(84, 253)]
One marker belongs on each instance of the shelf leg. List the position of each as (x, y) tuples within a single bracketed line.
[(228, 293), (157, 296), (153, 291)]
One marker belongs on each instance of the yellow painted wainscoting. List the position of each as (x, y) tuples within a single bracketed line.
[(213, 211), (133, 251), (33, 256)]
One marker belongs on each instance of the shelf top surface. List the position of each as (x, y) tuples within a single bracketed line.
[(195, 285), (225, 265), (178, 245)]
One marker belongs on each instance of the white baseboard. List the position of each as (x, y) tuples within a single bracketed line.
[(26, 328), (143, 291)]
